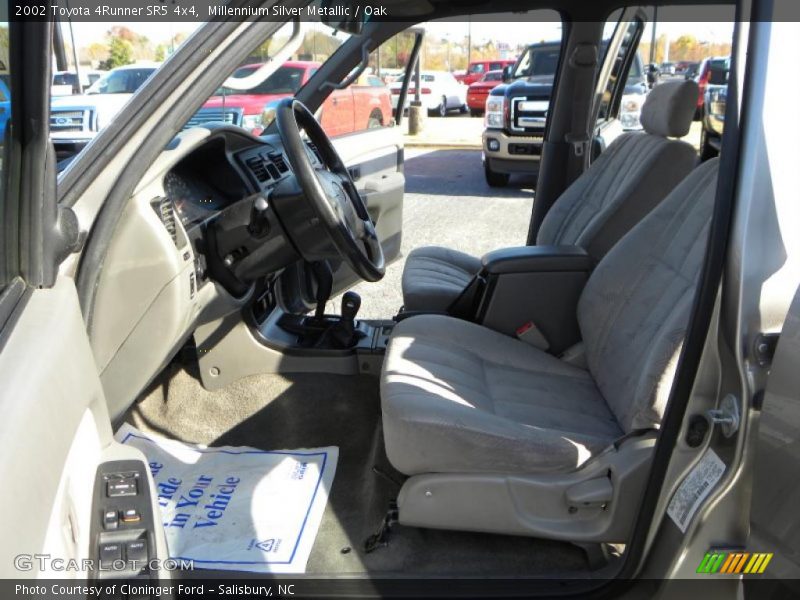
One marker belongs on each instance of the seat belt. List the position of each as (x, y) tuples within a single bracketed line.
[(584, 60)]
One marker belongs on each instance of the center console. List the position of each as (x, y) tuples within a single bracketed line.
[(518, 289)]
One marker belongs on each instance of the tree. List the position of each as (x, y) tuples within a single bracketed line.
[(120, 52), (94, 53), (684, 48)]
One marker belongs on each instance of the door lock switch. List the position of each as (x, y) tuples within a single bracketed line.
[(110, 519)]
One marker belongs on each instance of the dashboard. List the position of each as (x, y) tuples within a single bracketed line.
[(208, 203), (203, 237)]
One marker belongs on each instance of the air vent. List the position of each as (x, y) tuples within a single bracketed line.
[(279, 162), (258, 168), (166, 211)]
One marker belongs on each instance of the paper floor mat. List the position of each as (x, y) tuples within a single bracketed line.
[(235, 507)]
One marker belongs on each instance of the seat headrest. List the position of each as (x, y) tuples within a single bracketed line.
[(669, 108)]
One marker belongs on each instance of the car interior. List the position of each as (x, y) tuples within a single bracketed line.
[(503, 421)]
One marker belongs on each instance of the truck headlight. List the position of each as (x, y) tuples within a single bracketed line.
[(495, 112), (631, 111)]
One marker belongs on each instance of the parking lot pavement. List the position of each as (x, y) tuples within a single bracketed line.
[(453, 131), (448, 203), (463, 131)]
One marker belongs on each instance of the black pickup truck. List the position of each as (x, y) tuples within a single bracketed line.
[(516, 111)]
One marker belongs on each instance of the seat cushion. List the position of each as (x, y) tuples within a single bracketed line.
[(433, 277), (461, 398)]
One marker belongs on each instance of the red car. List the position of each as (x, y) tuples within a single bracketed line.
[(479, 91), (364, 105), (478, 68)]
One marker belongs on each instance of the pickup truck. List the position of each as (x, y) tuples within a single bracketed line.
[(363, 105), (516, 112), (75, 120)]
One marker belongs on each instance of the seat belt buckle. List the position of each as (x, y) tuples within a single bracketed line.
[(531, 334), (579, 143)]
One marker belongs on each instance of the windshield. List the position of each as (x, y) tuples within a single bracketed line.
[(121, 81), (286, 80), (538, 61)]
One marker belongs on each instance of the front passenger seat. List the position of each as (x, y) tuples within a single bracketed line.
[(626, 181), (467, 410)]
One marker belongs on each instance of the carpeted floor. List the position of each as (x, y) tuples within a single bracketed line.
[(308, 410)]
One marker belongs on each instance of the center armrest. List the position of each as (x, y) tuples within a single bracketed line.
[(526, 259), (533, 285)]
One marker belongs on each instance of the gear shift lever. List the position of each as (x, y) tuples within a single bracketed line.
[(345, 330), (351, 302)]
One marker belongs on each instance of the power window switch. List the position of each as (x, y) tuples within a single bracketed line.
[(131, 515), (110, 519), (109, 553), (137, 552)]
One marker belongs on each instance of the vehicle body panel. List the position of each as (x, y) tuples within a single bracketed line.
[(478, 68), (479, 91)]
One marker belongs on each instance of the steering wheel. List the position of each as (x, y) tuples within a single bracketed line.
[(330, 190)]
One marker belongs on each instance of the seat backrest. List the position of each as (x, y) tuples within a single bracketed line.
[(629, 178), (634, 311)]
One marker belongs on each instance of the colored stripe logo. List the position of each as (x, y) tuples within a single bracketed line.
[(733, 563)]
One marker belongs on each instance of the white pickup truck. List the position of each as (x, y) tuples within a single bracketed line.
[(75, 120)]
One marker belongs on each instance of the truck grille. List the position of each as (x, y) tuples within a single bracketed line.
[(529, 115), (73, 119), (229, 116)]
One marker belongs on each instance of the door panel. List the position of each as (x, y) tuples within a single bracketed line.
[(775, 525), (375, 160), (55, 425)]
